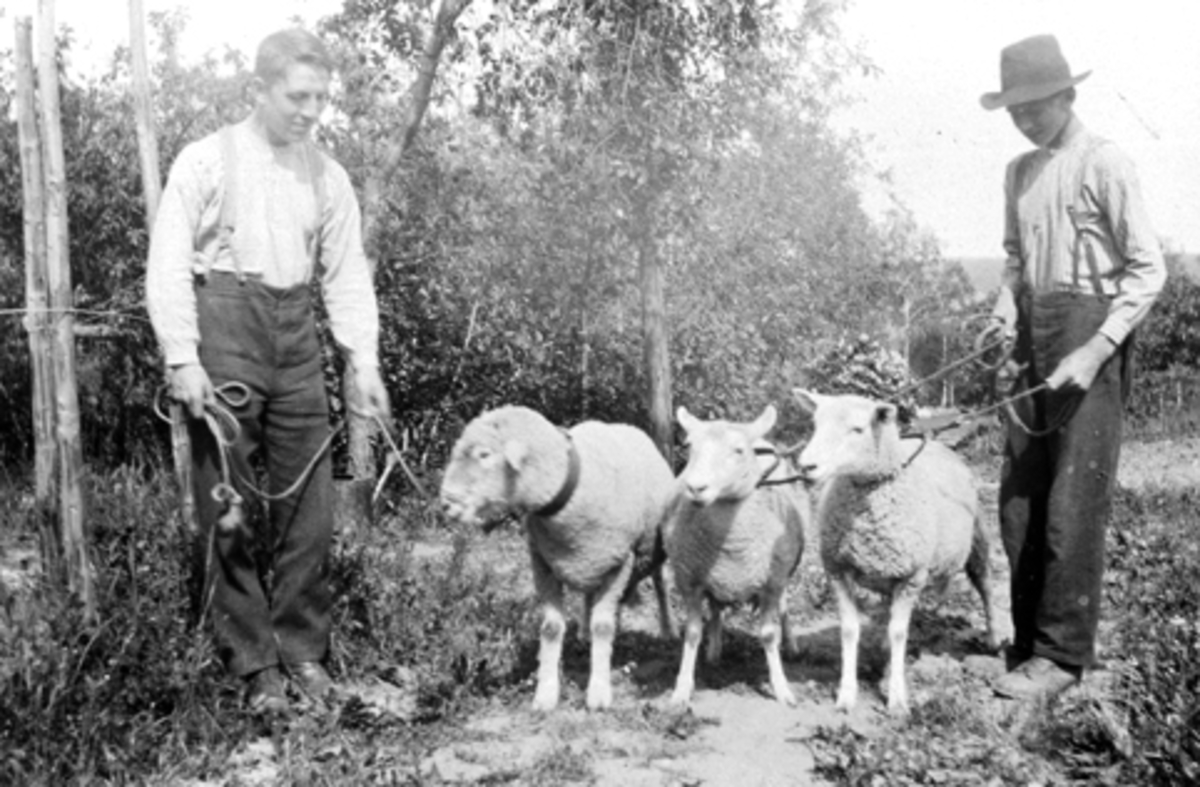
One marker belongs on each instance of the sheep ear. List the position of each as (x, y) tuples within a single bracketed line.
[(885, 414), (765, 422), (806, 399), (685, 419), (515, 452)]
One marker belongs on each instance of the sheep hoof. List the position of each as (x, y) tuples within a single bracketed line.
[(897, 710), (599, 699), (845, 701), (786, 697), (680, 699), (544, 703)]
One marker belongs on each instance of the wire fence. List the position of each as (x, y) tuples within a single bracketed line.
[(1165, 405)]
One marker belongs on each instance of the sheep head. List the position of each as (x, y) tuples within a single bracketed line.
[(481, 481), (722, 461), (852, 436)]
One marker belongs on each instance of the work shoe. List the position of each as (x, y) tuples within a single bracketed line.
[(312, 681), (265, 694), (1036, 678)]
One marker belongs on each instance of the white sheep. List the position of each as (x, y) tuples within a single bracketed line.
[(731, 540), (593, 501), (893, 515)]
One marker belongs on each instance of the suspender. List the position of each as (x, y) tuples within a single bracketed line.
[(1081, 251), (315, 163), (229, 200)]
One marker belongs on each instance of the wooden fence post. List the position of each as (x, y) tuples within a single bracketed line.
[(37, 298), (181, 444), (72, 516)]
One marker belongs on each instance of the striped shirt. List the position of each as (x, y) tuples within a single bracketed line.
[(275, 226), (1075, 221)]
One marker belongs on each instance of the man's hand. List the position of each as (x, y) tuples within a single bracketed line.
[(1004, 312), (191, 387), (372, 400), (1079, 369)]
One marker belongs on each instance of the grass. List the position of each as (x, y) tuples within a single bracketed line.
[(139, 696)]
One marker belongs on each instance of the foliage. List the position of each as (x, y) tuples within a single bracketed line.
[(1170, 336), (119, 369), (1154, 564), (141, 693)]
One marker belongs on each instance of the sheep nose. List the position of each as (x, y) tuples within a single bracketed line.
[(696, 491)]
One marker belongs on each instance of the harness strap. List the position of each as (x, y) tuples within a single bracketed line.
[(229, 199), (316, 173), (568, 488), (1082, 252), (315, 163)]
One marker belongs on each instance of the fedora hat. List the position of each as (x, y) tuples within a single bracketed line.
[(1031, 69)]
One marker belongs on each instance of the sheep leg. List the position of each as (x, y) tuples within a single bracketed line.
[(693, 624), (790, 649), (904, 598), (714, 633), (771, 616), (554, 624), (666, 625), (585, 630), (847, 694), (602, 623), (979, 571)]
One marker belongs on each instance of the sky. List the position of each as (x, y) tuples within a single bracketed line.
[(947, 155), (943, 154)]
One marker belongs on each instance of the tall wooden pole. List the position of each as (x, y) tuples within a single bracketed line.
[(80, 575), (152, 190), (37, 296)]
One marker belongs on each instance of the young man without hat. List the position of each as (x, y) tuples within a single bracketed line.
[(1083, 269), (251, 217)]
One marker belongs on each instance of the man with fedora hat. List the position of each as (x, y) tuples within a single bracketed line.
[(1083, 269)]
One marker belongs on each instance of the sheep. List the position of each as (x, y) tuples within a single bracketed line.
[(593, 500), (731, 540), (893, 515)]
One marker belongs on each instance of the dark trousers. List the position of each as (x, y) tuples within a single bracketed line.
[(1056, 488), (276, 610)]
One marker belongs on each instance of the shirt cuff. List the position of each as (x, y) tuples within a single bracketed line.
[(182, 356), (1115, 330)]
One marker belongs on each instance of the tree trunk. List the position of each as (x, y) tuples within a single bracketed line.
[(80, 575), (654, 337), (361, 430), (37, 298), (181, 444)]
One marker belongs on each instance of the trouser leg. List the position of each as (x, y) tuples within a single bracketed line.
[(1088, 449), (1024, 486), (1056, 489), (234, 596), (302, 523)]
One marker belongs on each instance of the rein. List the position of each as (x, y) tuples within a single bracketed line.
[(225, 429), (764, 479)]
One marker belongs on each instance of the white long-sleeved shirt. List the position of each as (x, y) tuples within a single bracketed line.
[(274, 225), (1075, 220)]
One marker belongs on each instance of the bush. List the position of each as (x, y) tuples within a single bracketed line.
[(1154, 562), (140, 692)]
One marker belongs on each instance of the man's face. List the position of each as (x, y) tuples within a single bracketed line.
[(1043, 120), (289, 107)]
